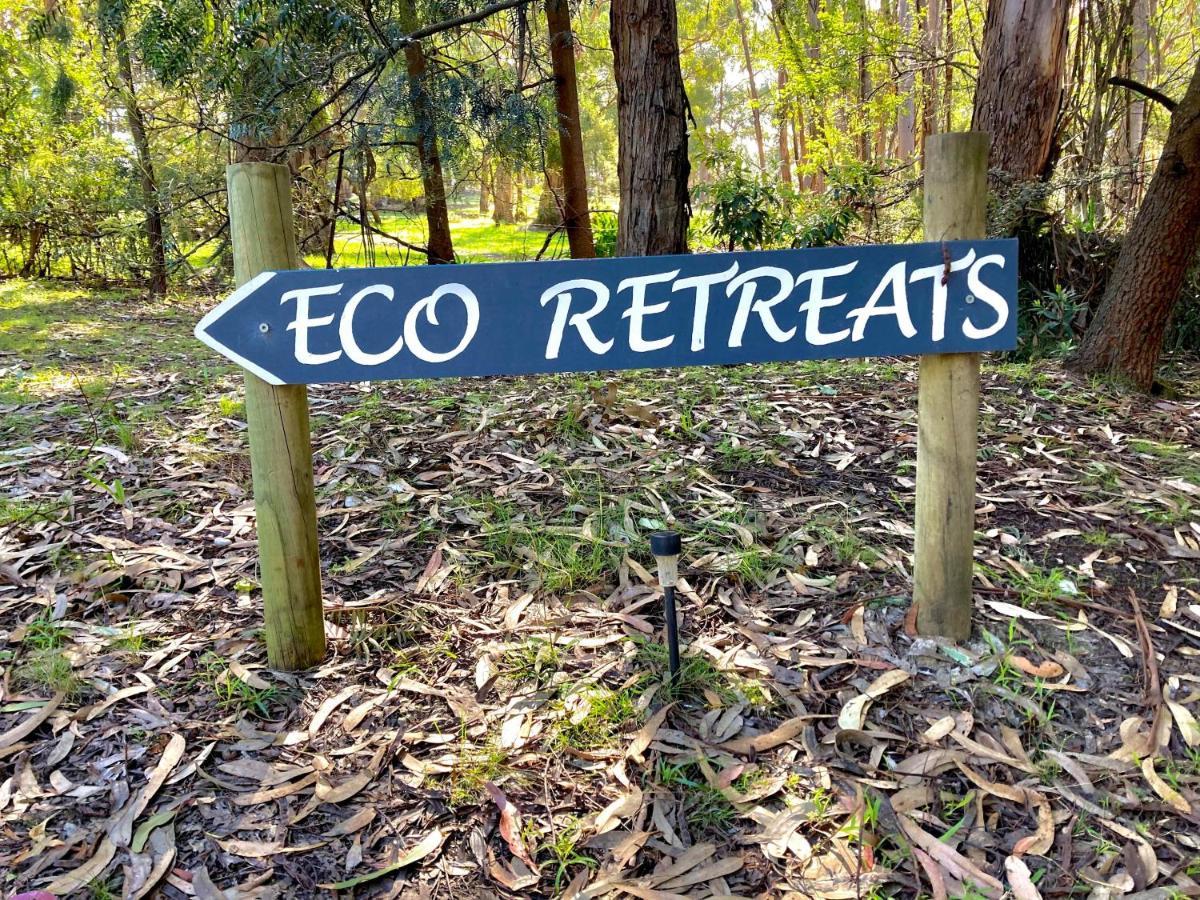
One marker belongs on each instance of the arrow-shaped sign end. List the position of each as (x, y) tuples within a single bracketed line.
[(202, 334)]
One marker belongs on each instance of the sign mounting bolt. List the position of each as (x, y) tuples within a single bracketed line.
[(264, 327)]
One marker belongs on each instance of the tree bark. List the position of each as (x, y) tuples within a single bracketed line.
[(754, 110), (784, 116), (1020, 85), (551, 203), (485, 185), (502, 195), (575, 216), (652, 140), (1125, 338), (864, 88), (933, 43), (151, 206), (906, 118), (437, 216), (1128, 188)]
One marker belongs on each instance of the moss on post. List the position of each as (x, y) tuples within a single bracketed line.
[(948, 406), (263, 239)]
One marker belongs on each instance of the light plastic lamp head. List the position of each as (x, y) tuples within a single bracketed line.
[(665, 546)]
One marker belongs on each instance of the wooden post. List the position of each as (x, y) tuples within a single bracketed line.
[(263, 239), (948, 406)]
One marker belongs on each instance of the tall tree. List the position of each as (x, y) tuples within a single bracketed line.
[(437, 215), (906, 118), (575, 216), (783, 117), (1126, 336), (753, 85), (652, 138), (932, 41), (136, 119), (1020, 83)]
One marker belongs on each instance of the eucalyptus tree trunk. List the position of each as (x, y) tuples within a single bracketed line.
[(906, 118), (754, 110), (575, 216), (502, 194), (1020, 85), (864, 88), (652, 141), (151, 203), (1126, 336), (485, 185), (932, 41), (784, 117), (1128, 188), (437, 216)]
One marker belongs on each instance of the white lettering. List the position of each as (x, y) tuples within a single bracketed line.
[(638, 310), (579, 321), (748, 282), (992, 298), (940, 290), (346, 328), (817, 301), (303, 322), (702, 283), (899, 308), (428, 306)]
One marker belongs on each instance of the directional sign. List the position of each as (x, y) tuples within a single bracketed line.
[(317, 326)]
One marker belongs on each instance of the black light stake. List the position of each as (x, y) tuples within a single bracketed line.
[(665, 547)]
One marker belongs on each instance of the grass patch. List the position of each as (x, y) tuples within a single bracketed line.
[(43, 634), (465, 783), (535, 661), (564, 852), (1040, 586), (595, 718), (231, 692), (699, 678), (49, 670), (15, 511), (706, 809)]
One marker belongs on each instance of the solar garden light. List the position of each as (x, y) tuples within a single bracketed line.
[(665, 547)]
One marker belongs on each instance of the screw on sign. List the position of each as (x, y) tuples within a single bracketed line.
[(948, 301)]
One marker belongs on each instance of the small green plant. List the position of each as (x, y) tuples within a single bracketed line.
[(536, 660), (129, 640), (1039, 586), (820, 802), (474, 768), (604, 233), (1098, 538), (44, 634), (609, 714), (232, 408), (571, 423), (103, 890), (49, 670), (564, 851), (698, 674), (737, 456), (1047, 322), (843, 542), (705, 807), (231, 692)]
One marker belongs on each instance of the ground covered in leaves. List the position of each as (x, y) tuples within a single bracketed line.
[(492, 719)]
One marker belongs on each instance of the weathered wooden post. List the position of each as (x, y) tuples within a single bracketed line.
[(263, 239), (948, 405)]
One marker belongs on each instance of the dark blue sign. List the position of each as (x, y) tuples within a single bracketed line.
[(316, 326)]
